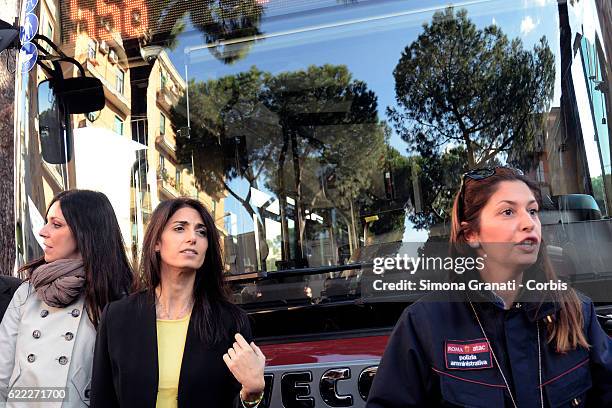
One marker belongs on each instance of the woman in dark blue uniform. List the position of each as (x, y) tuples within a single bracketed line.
[(507, 348)]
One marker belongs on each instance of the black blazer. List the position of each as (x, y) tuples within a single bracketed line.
[(126, 371), (8, 286)]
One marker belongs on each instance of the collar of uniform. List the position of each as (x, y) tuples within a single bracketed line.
[(536, 305), (480, 296)]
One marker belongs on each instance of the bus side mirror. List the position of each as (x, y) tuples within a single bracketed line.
[(80, 94), (56, 100), (9, 36), (55, 147)]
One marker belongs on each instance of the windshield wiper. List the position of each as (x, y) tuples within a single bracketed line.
[(268, 275)]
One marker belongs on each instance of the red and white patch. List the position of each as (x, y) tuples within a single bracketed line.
[(467, 354)]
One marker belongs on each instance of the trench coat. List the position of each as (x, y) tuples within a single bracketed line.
[(43, 346)]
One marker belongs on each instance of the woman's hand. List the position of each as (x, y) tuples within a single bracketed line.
[(246, 362)]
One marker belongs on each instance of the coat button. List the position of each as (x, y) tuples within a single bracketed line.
[(576, 402), (36, 334), (69, 336), (31, 358), (63, 360), (44, 313), (87, 393), (75, 313)]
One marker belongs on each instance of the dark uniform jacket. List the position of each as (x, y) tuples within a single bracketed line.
[(126, 371), (8, 286), (437, 357)]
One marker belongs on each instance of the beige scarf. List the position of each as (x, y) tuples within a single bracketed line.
[(59, 283)]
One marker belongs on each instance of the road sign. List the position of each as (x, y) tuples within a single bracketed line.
[(27, 57), (30, 5), (29, 28)]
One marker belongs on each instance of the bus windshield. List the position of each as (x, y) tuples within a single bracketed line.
[(322, 135)]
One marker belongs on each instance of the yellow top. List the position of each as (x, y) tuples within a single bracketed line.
[(171, 336)]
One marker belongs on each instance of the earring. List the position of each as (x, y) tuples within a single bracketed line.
[(474, 245)]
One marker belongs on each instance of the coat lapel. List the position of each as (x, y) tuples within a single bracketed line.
[(145, 324), (192, 346)]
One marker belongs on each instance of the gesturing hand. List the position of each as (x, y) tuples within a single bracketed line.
[(246, 363)]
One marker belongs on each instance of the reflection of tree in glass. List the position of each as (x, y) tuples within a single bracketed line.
[(466, 98), (220, 111), (460, 85), (389, 206), (438, 174), (598, 187), (217, 20), (48, 120), (288, 131), (47, 115), (325, 114)]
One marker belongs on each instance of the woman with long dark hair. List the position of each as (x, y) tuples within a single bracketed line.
[(48, 332), (179, 341), (497, 343)]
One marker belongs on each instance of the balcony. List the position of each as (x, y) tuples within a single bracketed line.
[(167, 98), (164, 144), (166, 184), (103, 47)]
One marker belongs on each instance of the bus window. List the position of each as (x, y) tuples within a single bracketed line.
[(326, 134)]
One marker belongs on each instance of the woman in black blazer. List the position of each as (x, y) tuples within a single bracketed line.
[(179, 341), (8, 286)]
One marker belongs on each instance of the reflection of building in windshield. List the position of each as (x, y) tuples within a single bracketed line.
[(575, 156), (128, 149), (105, 150), (571, 155), (107, 61)]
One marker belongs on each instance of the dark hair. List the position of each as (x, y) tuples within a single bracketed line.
[(566, 331), (92, 221), (212, 303)]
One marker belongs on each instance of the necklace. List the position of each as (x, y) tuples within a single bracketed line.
[(499, 367), (163, 313)]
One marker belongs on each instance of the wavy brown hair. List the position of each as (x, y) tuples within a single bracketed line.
[(212, 306), (566, 331), (92, 221)]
